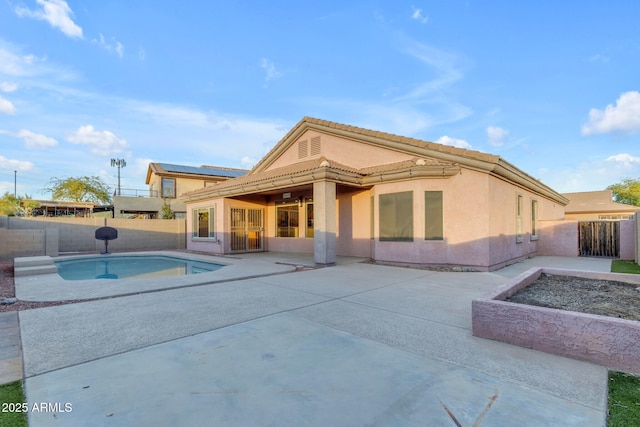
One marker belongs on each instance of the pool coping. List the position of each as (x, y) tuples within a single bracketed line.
[(52, 287), (608, 341)]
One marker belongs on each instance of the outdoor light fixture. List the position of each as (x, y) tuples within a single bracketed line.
[(119, 163)]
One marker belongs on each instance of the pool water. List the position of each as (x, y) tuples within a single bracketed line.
[(127, 267)]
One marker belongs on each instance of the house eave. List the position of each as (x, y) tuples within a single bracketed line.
[(338, 176)]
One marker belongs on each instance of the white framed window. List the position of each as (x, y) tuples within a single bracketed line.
[(203, 225), (288, 220), (534, 220), (519, 234)]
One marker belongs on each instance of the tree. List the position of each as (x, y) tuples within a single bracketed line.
[(9, 205), (21, 206), (80, 189), (627, 191), (167, 212)]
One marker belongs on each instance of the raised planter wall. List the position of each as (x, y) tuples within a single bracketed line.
[(607, 341)]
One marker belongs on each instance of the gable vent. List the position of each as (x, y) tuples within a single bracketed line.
[(315, 145), (303, 149)]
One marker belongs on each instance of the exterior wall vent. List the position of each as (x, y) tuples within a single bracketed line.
[(315, 145), (303, 149)]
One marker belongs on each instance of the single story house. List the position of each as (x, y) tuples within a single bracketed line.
[(597, 206), (333, 189)]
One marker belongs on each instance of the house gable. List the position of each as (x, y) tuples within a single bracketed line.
[(313, 144)]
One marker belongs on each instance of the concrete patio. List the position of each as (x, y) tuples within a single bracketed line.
[(354, 344)]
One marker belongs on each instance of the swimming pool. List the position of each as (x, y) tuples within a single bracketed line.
[(128, 267)]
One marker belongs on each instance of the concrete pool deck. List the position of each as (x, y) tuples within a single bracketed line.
[(354, 344), (52, 287)]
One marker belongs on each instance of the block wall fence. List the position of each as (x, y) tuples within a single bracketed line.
[(53, 236)]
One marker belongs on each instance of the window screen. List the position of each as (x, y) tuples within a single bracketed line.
[(433, 216), (396, 217)]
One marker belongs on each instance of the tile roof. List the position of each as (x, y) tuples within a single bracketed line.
[(304, 170), (383, 136), (595, 201)]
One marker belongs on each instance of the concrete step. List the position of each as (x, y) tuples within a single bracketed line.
[(32, 261), (33, 270)]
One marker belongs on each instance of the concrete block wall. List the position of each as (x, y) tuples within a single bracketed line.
[(19, 243), (51, 236)]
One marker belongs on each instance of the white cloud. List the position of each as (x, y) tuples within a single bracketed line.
[(248, 162), (270, 68), (444, 67), (112, 45), (8, 86), (623, 117), (56, 12), (454, 142), (418, 16), (598, 58), (102, 143), (497, 135), (36, 140), (16, 165), (7, 106), (624, 159), (142, 55)]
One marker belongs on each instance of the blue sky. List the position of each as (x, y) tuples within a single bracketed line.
[(550, 86)]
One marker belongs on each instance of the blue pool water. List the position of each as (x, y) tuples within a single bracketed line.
[(127, 267)]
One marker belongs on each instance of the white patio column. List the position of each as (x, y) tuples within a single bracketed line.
[(324, 222)]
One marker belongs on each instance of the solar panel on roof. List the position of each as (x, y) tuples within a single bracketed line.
[(201, 171)]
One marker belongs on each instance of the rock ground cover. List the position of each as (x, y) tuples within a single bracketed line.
[(602, 297)]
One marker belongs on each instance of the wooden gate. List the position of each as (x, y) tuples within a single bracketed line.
[(599, 238)]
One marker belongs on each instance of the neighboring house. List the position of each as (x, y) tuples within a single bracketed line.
[(59, 208), (166, 183), (597, 205), (332, 189)]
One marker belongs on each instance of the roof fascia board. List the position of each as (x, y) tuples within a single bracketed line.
[(510, 173)]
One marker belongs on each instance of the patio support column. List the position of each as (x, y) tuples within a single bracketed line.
[(324, 222)]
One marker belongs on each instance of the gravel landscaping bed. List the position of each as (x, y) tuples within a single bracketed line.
[(602, 297)]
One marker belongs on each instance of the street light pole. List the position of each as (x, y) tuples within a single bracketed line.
[(119, 163), (15, 184)]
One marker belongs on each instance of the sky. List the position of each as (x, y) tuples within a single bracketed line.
[(550, 86)]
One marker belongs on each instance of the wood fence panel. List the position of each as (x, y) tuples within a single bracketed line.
[(599, 238)]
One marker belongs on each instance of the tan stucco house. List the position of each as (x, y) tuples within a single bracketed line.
[(166, 182), (333, 189), (597, 206)]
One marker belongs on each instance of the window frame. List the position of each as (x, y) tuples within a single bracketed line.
[(172, 187), (519, 225), (277, 219), (388, 204), (534, 220), (430, 216), (211, 221)]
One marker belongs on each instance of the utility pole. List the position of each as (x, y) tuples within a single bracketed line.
[(119, 163)]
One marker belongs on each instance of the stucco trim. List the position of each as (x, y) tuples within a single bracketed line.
[(322, 170)]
